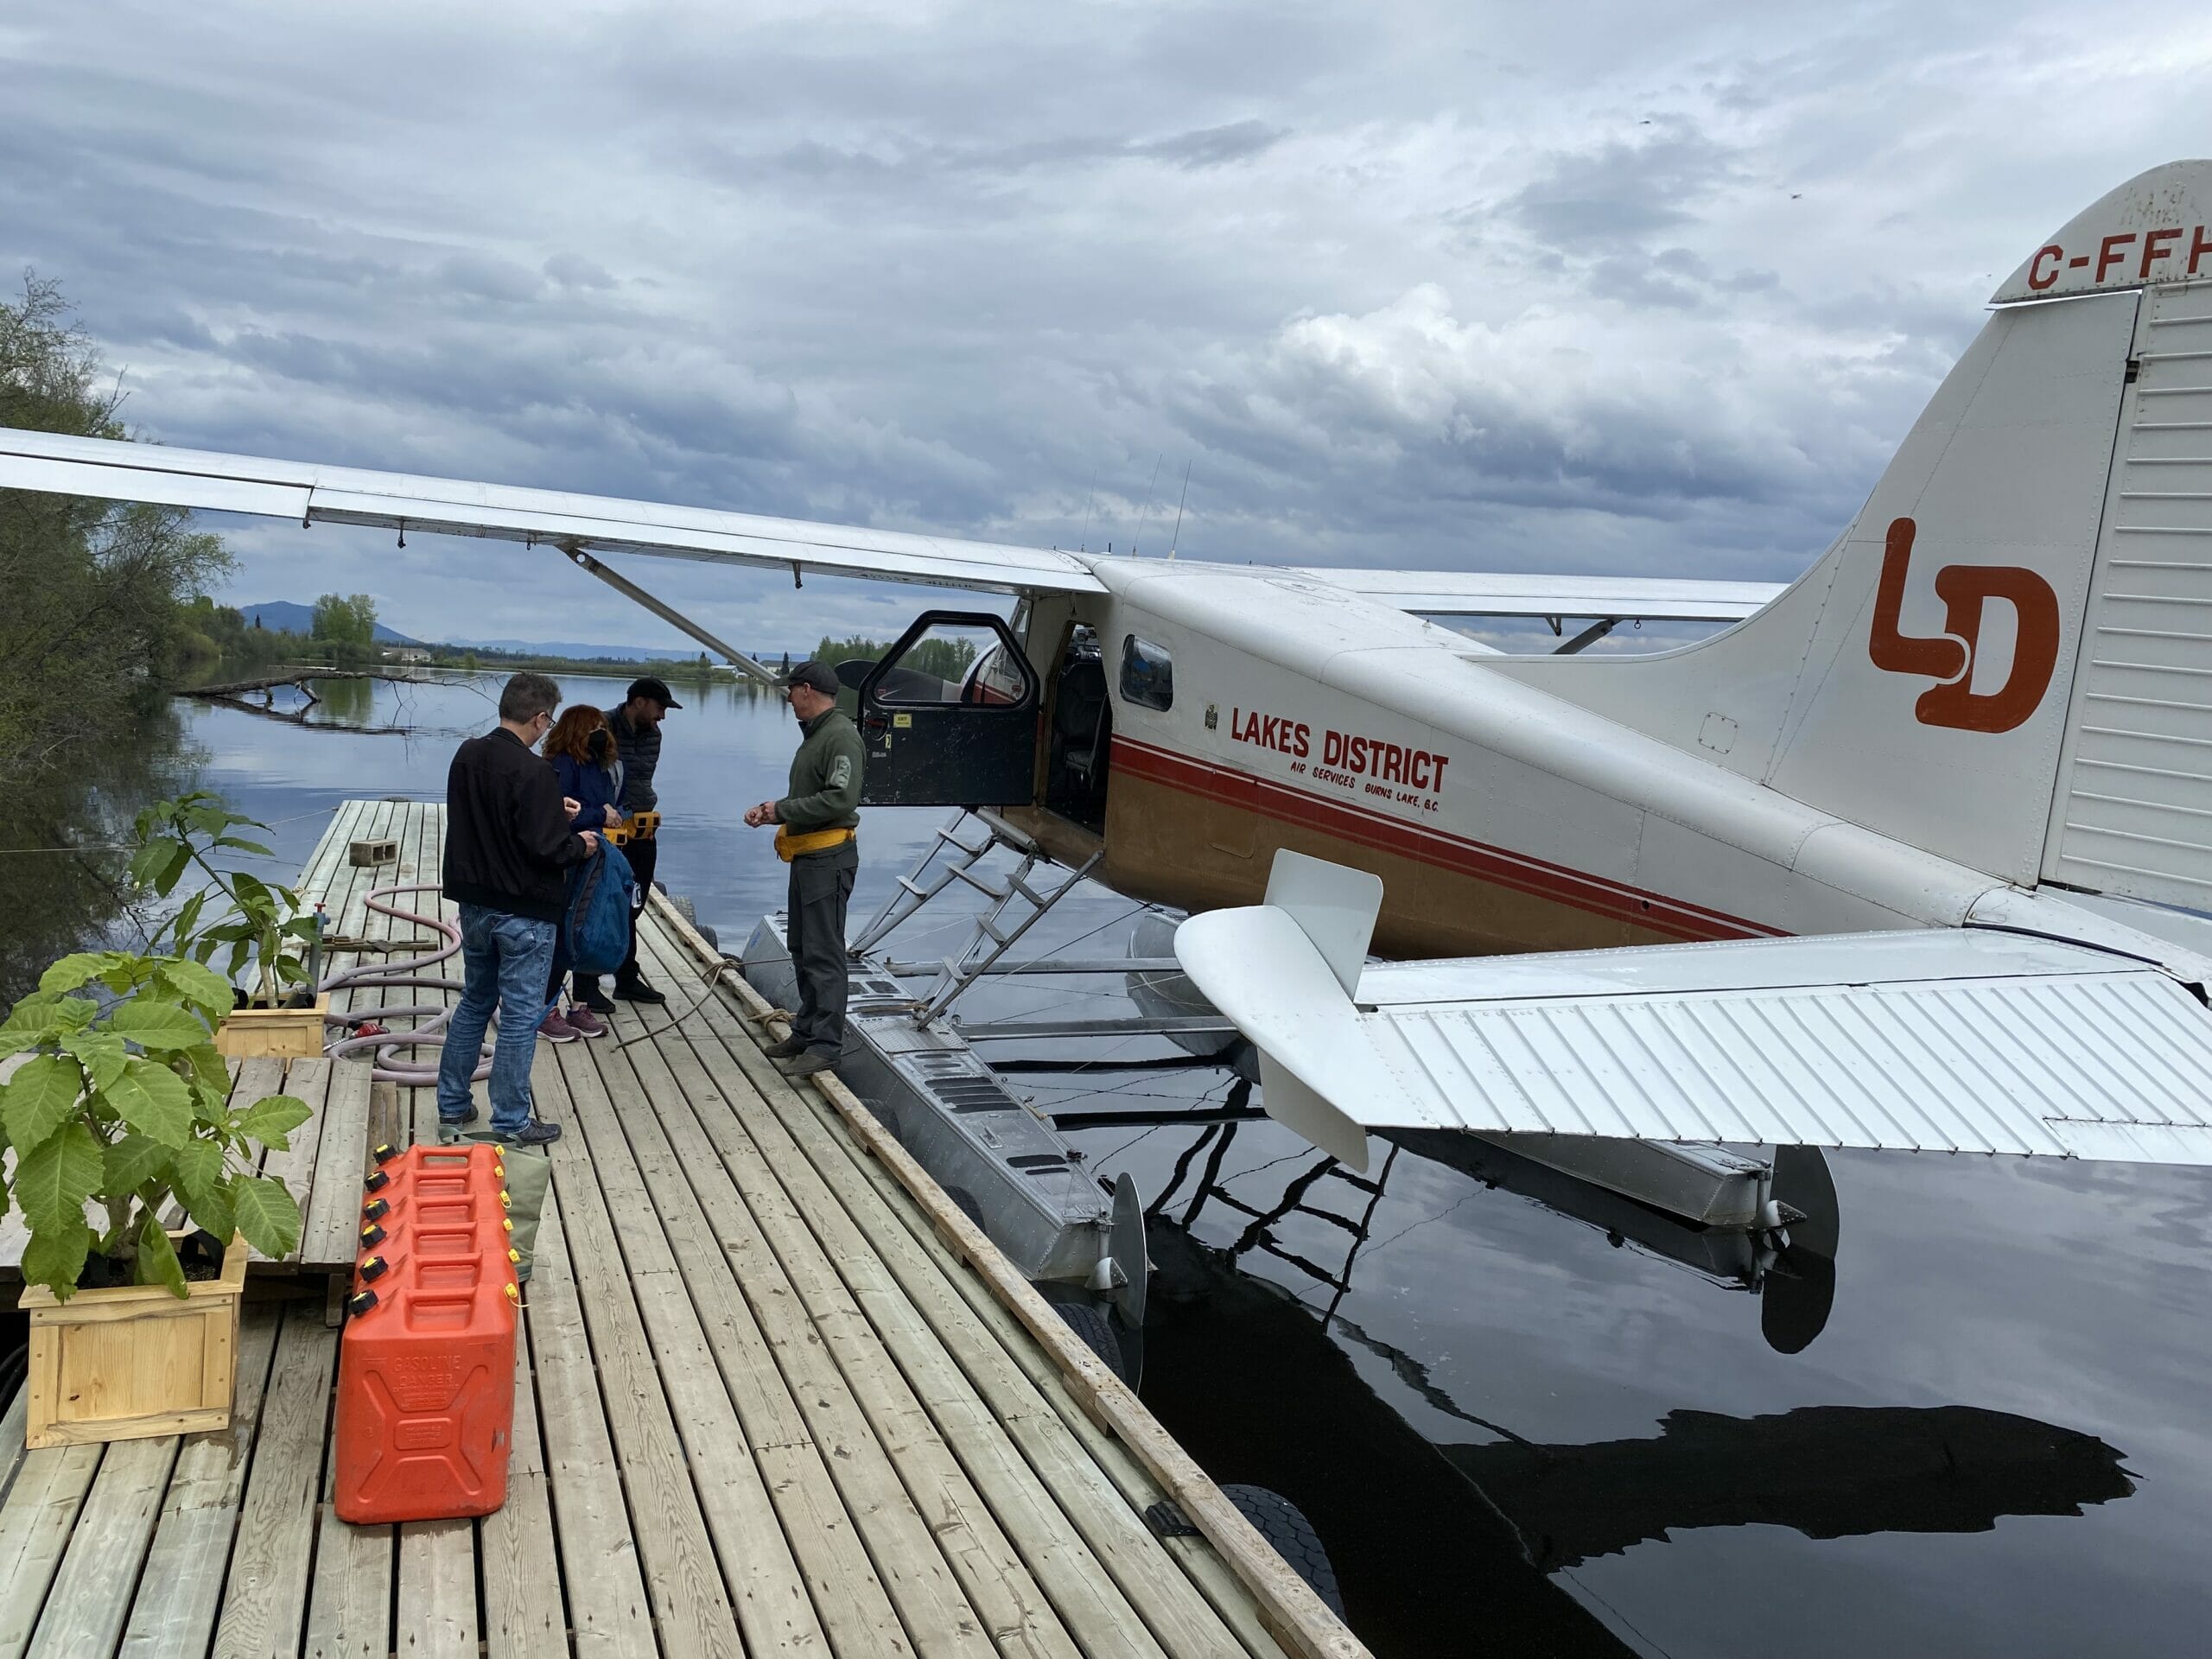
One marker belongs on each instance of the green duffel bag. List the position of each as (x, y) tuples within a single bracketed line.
[(529, 1173)]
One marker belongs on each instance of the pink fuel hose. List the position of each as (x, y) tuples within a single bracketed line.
[(408, 974)]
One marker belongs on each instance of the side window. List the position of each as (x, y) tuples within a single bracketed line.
[(1148, 674), (936, 667)]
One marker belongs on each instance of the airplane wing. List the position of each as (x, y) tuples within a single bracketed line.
[(1935, 1040), (1472, 593), (311, 495)]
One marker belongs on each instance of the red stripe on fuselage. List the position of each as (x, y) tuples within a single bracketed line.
[(1517, 871)]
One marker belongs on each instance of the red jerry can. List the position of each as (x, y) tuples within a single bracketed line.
[(426, 1367)]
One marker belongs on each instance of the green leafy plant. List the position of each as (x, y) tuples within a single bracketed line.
[(176, 838), (123, 1108)]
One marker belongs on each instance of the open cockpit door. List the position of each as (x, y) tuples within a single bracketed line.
[(950, 717)]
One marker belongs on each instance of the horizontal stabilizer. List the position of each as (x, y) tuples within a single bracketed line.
[(1938, 1041)]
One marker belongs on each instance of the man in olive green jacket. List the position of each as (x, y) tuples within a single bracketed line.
[(816, 825)]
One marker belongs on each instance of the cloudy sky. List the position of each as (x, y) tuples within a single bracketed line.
[(1619, 289)]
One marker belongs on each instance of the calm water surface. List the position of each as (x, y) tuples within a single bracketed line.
[(1514, 1434)]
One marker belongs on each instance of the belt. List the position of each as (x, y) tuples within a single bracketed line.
[(788, 846)]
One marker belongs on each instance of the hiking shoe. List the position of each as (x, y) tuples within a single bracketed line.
[(536, 1133), (554, 1029), (597, 1000), (636, 990), (790, 1049), (460, 1123), (584, 1022), (807, 1064)]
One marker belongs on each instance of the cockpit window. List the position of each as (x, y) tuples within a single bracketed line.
[(1148, 674)]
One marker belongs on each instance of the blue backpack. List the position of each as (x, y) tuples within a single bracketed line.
[(600, 893)]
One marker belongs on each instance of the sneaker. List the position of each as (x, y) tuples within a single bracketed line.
[(584, 1022), (790, 1049), (460, 1123), (554, 1029), (536, 1133), (807, 1064), (636, 990), (597, 1000)]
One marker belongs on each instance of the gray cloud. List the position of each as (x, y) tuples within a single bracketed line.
[(1405, 287)]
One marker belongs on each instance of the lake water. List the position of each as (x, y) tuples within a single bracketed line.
[(1514, 1433)]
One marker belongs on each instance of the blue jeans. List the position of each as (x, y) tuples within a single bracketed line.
[(505, 960)]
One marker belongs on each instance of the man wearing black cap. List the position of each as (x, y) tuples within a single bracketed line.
[(816, 824), (636, 726)]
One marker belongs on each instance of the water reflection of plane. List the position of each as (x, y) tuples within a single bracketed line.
[(1791, 1271), (1439, 1547)]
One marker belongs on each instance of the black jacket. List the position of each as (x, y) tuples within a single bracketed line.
[(507, 839), (639, 749)]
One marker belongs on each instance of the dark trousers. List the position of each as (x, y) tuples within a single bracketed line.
[(643, 856), (822, 883)]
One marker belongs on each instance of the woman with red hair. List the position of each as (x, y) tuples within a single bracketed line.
[(581, 750)]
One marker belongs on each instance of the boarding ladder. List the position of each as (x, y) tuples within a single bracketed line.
[(1015, 902)]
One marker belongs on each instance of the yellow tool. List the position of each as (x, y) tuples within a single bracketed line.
[(639, 826)]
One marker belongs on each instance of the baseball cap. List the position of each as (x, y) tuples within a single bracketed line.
[(655, 689), (815, 675)]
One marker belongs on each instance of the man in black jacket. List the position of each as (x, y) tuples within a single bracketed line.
[(507, 844)]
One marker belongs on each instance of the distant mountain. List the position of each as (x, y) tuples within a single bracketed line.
[(282, 616)]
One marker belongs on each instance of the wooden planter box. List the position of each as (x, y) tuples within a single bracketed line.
[(284, 1033), (133, 1361)]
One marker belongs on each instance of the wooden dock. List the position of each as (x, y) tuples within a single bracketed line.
[(775, 1396)]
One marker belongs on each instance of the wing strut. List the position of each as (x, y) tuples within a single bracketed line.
[(668, 614)]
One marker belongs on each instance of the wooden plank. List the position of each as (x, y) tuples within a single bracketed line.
[(607, 1608), (987, 1569), (766, 1588), (848, 1596), (1096, 1482), (437, 1589), (265, 1601), (908, 1562), (331, 1232), (956, 1460), (83, 1613), (682, 1577), (522, 1571), (308, 1081), (174, 1614), (349, 1609), (11, 1440), (35, 1526), (1287, 1604)]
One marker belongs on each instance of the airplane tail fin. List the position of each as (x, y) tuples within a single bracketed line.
[(2006, 659)]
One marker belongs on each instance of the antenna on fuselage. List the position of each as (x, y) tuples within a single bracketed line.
[(1147, 513), (1176, 540)]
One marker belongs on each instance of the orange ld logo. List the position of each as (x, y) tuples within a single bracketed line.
[(1966, 590)]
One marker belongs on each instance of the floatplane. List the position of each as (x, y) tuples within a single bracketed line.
[(1904, 857)]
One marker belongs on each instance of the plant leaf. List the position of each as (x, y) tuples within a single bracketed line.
[(240, 843), (213, 1072), (30, 1022), (133, 1160), (199, 985), (267, 1215), (272, 1120), (38, 1098), (153, 1100), (198, 1165), (100, 1053), (157, 1262), (70, 972), (213, 1209), (73, 1013), (155, 1024), (56, 1257), (54, 1179)]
